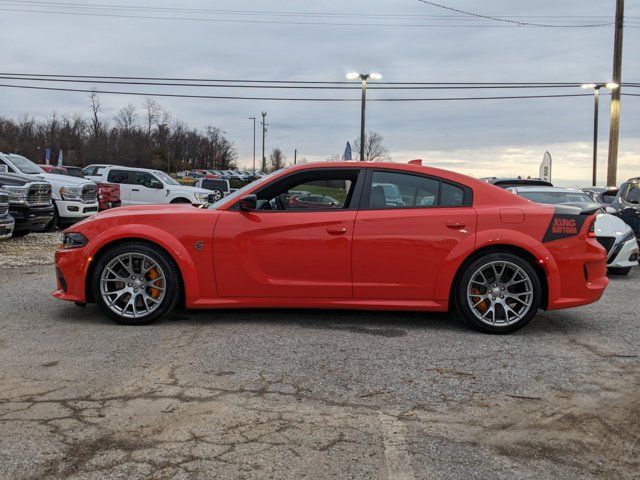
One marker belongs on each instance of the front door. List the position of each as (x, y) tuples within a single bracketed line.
[(290, 247), (146, 189), (405, 232)]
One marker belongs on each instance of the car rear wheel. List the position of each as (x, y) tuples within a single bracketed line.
[(499, 293), (136, 283)]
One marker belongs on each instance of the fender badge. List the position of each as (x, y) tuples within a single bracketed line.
[(199, 245)]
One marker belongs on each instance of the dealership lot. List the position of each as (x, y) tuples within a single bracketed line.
[(311, 394)]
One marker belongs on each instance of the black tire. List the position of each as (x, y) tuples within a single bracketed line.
[(165, 262), (21, 233), (51, 226), (464, 284), (619, 270), (217, 193)]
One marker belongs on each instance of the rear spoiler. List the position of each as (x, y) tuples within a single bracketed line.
[(568, 219)]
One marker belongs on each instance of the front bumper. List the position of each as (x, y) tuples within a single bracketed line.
[(74, 211), (624, 254), (71, 270), (30, 218), (7, 224)]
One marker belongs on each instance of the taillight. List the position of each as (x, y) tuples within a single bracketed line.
[(592, 228)]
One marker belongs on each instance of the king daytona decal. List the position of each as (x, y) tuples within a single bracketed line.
[(563, 226)]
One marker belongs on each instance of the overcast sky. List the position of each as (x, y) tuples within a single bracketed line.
[(478, 138)]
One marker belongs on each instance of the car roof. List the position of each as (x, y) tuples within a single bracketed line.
[(532, 188)]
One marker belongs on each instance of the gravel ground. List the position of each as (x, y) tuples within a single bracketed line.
[(32, 249), (308, 394)]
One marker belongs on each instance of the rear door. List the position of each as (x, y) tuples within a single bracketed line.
[(400, 244), (122, 178)]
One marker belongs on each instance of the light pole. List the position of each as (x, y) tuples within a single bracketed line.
[(596, 101), (254, 143), (364, 77)]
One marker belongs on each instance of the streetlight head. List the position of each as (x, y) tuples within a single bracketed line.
[(375, 76), (611, 85), (353, 75), (588, 85)]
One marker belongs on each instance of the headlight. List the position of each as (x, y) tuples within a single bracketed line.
[(201, 197), (629, 236), (17, 194), (73, 240), (71, 193)]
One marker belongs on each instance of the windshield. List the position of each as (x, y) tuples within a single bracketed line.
[(166, 178), (557, 197), (241, 192), (25, 165)]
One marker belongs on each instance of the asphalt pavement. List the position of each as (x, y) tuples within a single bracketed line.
[(315, 394)]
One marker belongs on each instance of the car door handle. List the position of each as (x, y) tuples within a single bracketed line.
[(337, 230), (135, 189), (454, 224)]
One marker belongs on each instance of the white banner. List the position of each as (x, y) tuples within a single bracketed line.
[(545, 167)]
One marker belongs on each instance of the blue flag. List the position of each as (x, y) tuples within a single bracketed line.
[(47, 156), (347, 152)]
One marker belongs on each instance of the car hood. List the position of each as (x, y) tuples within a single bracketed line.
[(608, 225), (63, 179), (188, 189)]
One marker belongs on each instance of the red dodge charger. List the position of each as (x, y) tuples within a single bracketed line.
[(392, 236)]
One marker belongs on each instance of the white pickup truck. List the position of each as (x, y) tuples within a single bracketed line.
[(74, 198), (143, 186)]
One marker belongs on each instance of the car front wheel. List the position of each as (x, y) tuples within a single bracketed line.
[(499, 293), (136, 283)]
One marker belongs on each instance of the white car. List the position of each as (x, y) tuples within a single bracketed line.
[(613, 234), (143, 186), (74, 198)]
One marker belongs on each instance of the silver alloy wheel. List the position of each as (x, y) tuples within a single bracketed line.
[(500, 293), (133, 285), (217, 194)]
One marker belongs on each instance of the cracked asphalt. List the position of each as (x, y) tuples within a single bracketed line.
[(315, 394)]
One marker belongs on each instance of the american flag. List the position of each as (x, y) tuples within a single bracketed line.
[(347, 152)]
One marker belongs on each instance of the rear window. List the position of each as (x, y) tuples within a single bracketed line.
[(118, 176)]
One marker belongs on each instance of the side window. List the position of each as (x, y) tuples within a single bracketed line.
[(316, 190), (633, 194), (144, 179), (402, 190), (89, 171), (118, 176), (451, 195)]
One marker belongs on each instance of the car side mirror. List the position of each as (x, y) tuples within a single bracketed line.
[(611, 210), (249, 203)]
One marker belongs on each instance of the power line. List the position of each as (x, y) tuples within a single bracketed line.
[(518, 23), (278, 22), (289, 99), (295, 82), (281, 86)]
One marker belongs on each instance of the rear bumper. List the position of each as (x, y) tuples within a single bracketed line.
[(582, 271)]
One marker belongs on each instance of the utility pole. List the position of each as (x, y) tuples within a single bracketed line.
[(254, 143), (264, 133), (614, 131), (362, 115), (295, 156)]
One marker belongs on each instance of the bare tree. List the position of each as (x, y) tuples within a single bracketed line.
[(126, 118), (95, 122), (277, 160), (152, 112), (374, 149)]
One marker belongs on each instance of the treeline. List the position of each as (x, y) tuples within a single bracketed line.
[(147, 136)]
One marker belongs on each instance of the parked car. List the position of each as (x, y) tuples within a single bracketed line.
[(494, 256), (63, 170), (217, 186), (30, 202), (516, 182), (7, 223), (627, 204), (602, 195), (612, 233), (108, 195), (142, 186), (74, 199)]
